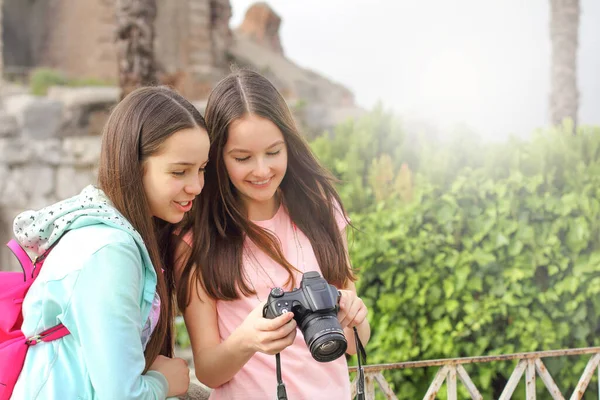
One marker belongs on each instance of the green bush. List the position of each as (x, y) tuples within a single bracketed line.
[(350, 150), (502, 255), (43, 78)]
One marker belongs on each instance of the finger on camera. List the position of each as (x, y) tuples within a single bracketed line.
[(349, 317), (358, 319), (276, 323), (282, 331), (342, 315), (357, 306), (346, 299)]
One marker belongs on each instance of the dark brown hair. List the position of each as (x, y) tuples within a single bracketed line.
[(135, 130), (221, 224)]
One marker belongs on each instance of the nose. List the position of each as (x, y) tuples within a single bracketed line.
[(195, 185), (262, 168)]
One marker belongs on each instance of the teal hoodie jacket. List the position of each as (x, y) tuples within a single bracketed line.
[(99, 282)]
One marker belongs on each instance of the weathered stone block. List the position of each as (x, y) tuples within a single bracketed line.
[(15, 151), (47, 151), (70, 181), (38, 180), (4, 171), (26, 184), (86, 109), (81, 151), (14, 194), (37, 117), (8, 125)]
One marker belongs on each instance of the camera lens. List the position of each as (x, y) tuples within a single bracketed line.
[(327, 346), (324, 336)]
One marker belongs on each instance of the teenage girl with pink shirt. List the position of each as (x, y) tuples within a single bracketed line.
[(269, 213)]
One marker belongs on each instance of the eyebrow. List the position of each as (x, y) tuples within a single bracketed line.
[(186, 164), (248, 151)]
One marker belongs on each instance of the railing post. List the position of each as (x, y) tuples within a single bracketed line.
[(530, 380), (513, 381), (588, 372), (383, 385), (370, 386), (436, 384), (547, 379), (451, 382), (466, 380)]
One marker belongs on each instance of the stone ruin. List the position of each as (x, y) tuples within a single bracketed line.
[(49, 145)]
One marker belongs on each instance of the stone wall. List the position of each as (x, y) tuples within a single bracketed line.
[(78, 38), (49, 150), (23, 26)]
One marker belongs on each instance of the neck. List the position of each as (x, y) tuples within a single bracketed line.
[(264, 210)]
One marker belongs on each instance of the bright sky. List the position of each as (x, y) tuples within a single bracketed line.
[(486, 63)]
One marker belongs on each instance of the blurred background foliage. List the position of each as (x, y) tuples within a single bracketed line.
[(468, 248)]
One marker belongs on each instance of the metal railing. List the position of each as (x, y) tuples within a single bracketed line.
[(529, 364)]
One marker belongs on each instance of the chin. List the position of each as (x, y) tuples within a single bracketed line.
[(172, 219), (263, 199)]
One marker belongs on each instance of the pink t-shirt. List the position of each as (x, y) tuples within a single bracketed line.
[(304, 377)]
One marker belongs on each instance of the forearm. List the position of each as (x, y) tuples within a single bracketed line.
[(217, 365), (364, 334)]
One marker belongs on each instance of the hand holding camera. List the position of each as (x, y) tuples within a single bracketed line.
[(352, 309), (269, 336), (315, 308)]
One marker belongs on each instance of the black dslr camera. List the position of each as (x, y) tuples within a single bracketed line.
[(315, 307)]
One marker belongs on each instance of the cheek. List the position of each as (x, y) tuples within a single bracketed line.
[(235, 171), (173, 186), (282, 164), (149, 183)]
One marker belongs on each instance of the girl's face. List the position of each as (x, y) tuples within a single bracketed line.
[(174, 176), (255, 156)]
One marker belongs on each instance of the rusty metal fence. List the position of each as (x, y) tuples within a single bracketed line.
[(529, 364)]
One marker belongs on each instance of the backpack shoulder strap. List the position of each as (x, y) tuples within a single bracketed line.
[(54, 333), (23, 257)]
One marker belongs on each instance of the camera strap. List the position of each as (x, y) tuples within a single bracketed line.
[(361, 355), (281, 393)]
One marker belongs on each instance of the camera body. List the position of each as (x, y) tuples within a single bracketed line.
[(315, 307)]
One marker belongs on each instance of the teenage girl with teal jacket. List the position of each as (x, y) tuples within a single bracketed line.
[(108, 276)]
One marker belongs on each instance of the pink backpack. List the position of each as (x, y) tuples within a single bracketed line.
[(13, 344)]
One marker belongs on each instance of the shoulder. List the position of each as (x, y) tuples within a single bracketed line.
[(341, 218), (88, 245), (90, 239)]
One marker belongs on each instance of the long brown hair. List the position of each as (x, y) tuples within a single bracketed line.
[(135, 130), (221, 224)]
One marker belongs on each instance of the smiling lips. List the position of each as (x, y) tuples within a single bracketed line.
[(184, 206), (261, 183)]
